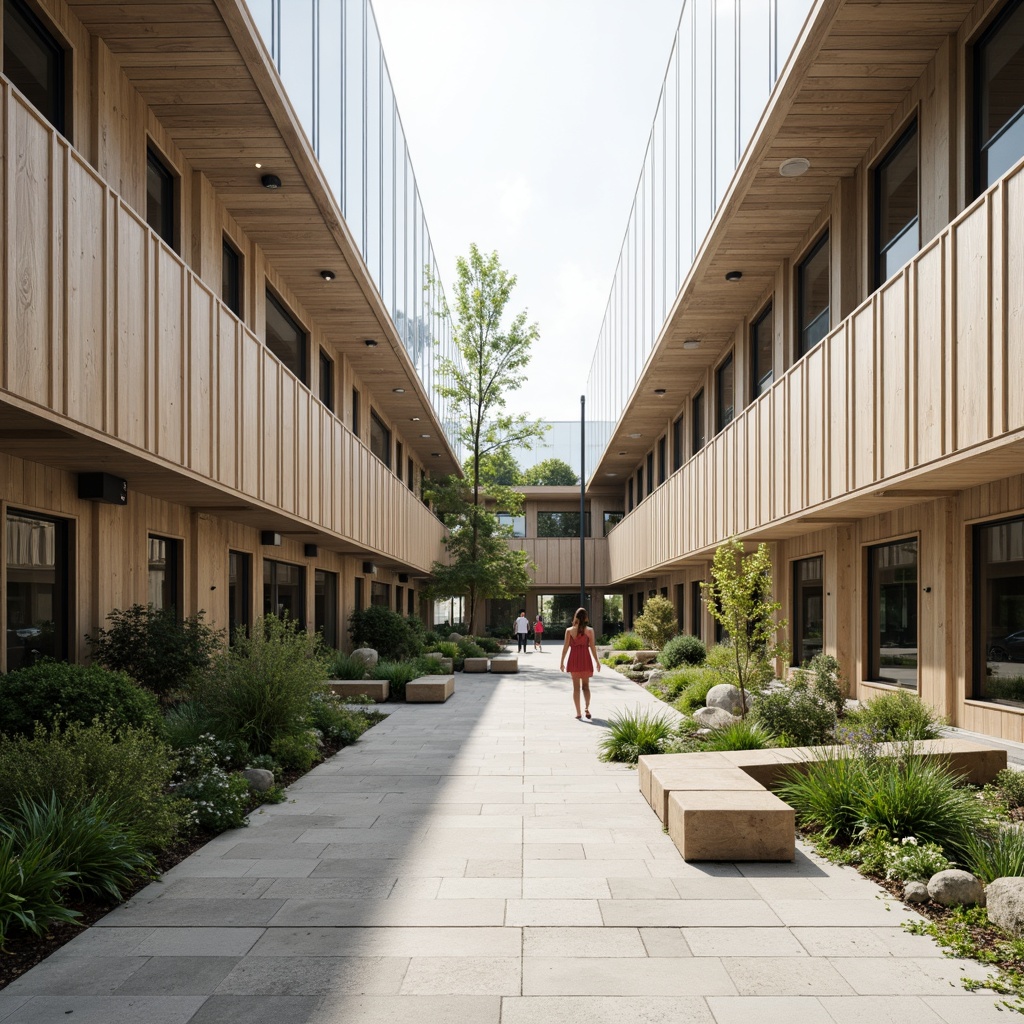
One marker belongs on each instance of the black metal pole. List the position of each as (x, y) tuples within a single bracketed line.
[(583, 491)]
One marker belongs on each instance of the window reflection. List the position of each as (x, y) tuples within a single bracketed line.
[(892, 613), (813, 296), (897, 237), (999, 96), (998, 600)]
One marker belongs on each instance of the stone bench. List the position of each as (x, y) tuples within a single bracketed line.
[(717, 804), (504, 663), (475, 665), (429, 689), (377, 689)]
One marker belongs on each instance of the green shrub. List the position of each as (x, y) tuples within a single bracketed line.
[(995, 853), (903, 861), (130, 770), (741, 735), (698, 683), (1010, 786), (657, 625), (260, 689), (469, 648), (627, 642), (52, 691), (186, 723), (340, 725), (897, 715), (795, 714), (297, 751), (400, 673), (826, 681), (824, 794), (683, 650), (102, 856), (632, 734), (447, 648), (1005, 687), (219, 799), (346, 666), (758, 673), (30, 889), (488, 645), (387, 632), (155, 647)]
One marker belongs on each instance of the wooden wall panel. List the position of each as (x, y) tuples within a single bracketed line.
[(1013, 302), (972, 327)]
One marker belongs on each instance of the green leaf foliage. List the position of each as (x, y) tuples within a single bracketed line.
[(682, 650), (550, 473), (632, 734), (31, 884), (657, 625), (387, 632)]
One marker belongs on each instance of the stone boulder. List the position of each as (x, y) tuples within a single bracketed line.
[(915, 892), (1005, 898), (655, 674), (713, 718), (367, 655), (956, 888), (725, 696), (454, 638), (259, 779)]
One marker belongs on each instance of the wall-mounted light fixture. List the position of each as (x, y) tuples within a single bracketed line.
[(691, 343), (794, 167)]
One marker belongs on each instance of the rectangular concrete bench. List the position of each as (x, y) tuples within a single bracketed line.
[(723, 793), (429, 690), (377, 689), (504, 663), (475, 665)]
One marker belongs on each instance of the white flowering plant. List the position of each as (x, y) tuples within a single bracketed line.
[(219, 799)]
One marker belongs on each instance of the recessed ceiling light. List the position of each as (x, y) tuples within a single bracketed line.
[(691, 343), (435, 455), (634, 436), (370, 343), (327, 275), (611, 474), (659, 391), (424, 435), (415, 419), (271, 181), (794, 167), (622, 453), (399, 391), (259, 165), (734, 275)]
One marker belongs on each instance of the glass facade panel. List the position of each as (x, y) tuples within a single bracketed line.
[(325, 602), (726, 137), (611, 520), (239, 593), (34, 61), (999, 97), (612, 614), (561, 524), (163, 569), (37, 591), (813, 296), (762, 340), (725, 389), (517, 524), (284, 590), (808, 609), (557, 611), (998, 600), (892, 613), (286, 339), (380, 439), (897, 236)]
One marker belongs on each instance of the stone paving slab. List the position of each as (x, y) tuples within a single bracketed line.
[(474, 863)]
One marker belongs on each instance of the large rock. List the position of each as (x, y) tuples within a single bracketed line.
[(956, 888), (915, 892), (655, 674), (713, 718), (725, 696), (1005, 898), (259, 779), (367, 655), (454, 638)]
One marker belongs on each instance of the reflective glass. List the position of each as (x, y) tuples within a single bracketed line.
[(999, 95), (808, 609), (374, 145), (703, 119), (998, 599), (34, 61), (755, 71), (896, 207), (725, 388), (285, 338), (329, 96), (353, 197), (284, 591), (296, 62), (762, 339), (725, 96), (892, 613), (813, 296)]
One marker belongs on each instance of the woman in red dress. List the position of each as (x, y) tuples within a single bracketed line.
[(579, 642)]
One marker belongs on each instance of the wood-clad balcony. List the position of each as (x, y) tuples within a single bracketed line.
[(116, 357), (919, 392), (558, 560)]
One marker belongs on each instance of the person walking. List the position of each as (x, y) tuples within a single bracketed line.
[(579, 642), (538, 633), (521, 629)]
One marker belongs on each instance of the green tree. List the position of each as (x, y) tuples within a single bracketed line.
[(550, 473), (738, 599), (657, 625), (500, 468), (494, 355)]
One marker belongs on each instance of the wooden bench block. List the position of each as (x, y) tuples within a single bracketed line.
[(475, 665), (374, 688), (429, 690), (504, 663), (670, 780), (652, 762), (976, 763), (720, 825)]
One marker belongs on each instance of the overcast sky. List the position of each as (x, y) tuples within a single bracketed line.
[(527, 122)]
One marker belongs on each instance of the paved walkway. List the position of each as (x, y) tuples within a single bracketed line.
[(474, 863)]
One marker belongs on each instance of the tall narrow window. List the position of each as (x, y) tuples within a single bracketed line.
[(897, 236), (38, 592), (35, 62), (698, 422), (326, 380), (325, 600), (762, 342), (160, 213), (284, 591), (629, 495), (725, 392), (892, 613), (410, 475), (163, 579), (813, 296), (380, 594), (677, 444), (286, 339), (399, 460), (355, 412), (380, 439), (358, 594), (998, 600), (611, 520), (695, 608), (231, 278), (239, 593), (808, 609), (650, 473), (999, 97), (411, 602), (640, 485)]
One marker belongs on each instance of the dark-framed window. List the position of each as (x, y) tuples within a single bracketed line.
[(286, 339), (36, 62), (640, 485), (762, 346), (998, 611), (725, 394), (163, 572), (410, 598), (999, 97), (808, 609), (629, 611), (410, 475), (355, 412), (813, 289), (562, 524), (380, 594), (696, 619), (892, 613), (325, 605), (896, 199), (284, 590), (231, 278), (239, 593), (399, 459), (629, 495), (650, 473), (677, 444), (161, 214), (611, 520), (380, 439), (517, 524), (38, 590), (326, 380), (698, 422), (357, 594)]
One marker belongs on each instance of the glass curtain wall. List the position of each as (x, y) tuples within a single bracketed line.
[(329, 55), (726, 58)]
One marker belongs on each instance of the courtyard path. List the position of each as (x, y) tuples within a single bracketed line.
[(474, 863)]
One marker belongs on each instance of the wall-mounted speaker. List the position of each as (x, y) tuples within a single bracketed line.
[(403, 577), (310, 550), (369, 568), (103, 487), (269, 539)]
